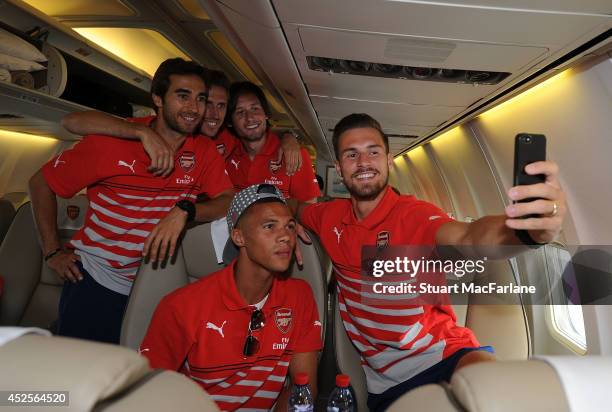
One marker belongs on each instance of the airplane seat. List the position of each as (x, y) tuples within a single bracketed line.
[(503, 386), (117, 379), (316, 263), (348, 359), (475, 311), (195, 258), (485, 313), (7, 213), (16, 198), (31, 289)]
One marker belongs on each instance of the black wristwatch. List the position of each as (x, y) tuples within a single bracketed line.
[(526, 239), (188, 207)]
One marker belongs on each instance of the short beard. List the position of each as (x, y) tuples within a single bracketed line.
[(254, 138), (173, 124), (367, 193)]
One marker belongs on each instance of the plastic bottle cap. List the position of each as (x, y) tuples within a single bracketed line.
[(301, 379), (342, 381)]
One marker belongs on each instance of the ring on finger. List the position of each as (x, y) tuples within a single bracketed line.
[(555, 209)]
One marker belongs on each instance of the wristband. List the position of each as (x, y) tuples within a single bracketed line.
[(188, 207), (527, 240), (52, 253)]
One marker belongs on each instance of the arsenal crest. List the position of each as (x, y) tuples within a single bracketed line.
[(221, 148), (382, 239), (72, 212), (283, 318), (274, 166), (187, 161)]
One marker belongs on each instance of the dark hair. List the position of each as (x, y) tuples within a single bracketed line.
[(218, 78), (241, 89), (161, 79), (355, 121)]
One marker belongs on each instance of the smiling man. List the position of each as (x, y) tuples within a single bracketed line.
[(131, 212), (404, 345), (161, 154), (255, 159), (240, 331)]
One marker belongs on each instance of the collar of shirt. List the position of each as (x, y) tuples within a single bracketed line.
[(376, 216), (269, 148), (232, 299)]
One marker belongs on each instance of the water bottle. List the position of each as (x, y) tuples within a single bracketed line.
[(341, 399), (301, 397)]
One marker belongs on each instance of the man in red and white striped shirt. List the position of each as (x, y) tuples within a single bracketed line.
[(240, 331), (402, 344), (131, 212)]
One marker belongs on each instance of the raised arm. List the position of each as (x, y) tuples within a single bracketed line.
[(94, 122), (501, 230)]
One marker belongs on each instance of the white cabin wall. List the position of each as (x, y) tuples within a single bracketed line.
[(21, 155), (573, 110), (469, 169), (416, 173)]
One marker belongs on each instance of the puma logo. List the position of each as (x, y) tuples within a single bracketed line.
[(338, 233), (210, 325), (129, 166), (235, 163), (141, 351), (58, 161)]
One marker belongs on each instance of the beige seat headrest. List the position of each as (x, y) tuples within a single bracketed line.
[(89, 371), (166, 391), (509, 386)]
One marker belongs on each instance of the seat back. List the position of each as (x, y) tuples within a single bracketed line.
[(195, 258), (475, 311), (16, 198), (31, 289), (348, 359), (492, 386), (484, 315), (117, 379), (7, 213)]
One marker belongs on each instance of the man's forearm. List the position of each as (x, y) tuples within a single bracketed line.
[(44, 208), (94, 122), (215, 208), (482, 237)]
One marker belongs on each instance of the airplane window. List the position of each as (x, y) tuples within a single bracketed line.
[(564, 319)]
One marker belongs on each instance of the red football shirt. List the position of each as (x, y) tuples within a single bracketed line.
[(201, 329), (125, 200), (264, 168), (396, 340), (225, 142)]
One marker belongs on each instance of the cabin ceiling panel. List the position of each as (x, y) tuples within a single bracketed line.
[(415, 51), (545, 26), (392, 90)]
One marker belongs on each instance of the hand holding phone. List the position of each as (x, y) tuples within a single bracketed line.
[(528, 148)]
